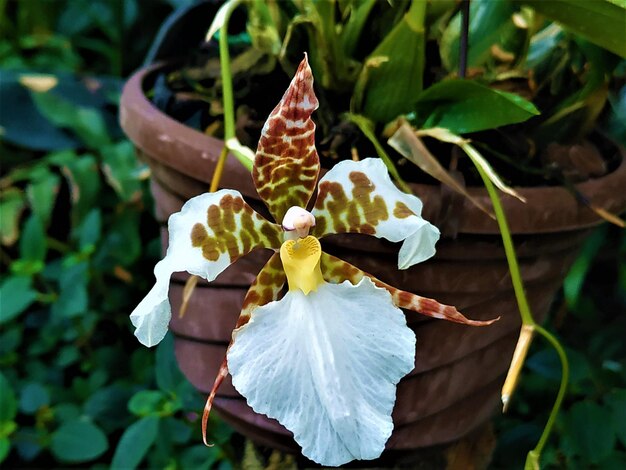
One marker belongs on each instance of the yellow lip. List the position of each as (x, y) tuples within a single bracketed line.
[(301, 262)]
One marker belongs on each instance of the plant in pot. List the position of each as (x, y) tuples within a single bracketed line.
[(399, 72)]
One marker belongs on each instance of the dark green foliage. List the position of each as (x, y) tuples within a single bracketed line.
[(78, 246)]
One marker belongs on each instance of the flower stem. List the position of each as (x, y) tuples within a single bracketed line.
[(507, 240), (227, 96), (562, 388), (528, 322)]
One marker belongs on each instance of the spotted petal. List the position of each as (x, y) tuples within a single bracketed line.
[(337, 270), (286, 166), (359, 197), (209, 233), (326, 365)]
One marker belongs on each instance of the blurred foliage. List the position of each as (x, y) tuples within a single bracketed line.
[(78, 243)]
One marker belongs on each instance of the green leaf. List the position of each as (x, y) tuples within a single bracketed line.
[(33, 245), (147, 402), (5, 447), (589, 426), (17, 295), (42, 195), (8, 403), (168, 376), (90, 229), (33, 397), (86, 122), (600, 21), (135, 443), (11, 206), (84, 179), (121, 170), (78, 441), (199, 457), (393, 86), (464, 106), (73, 297), (616, 401)]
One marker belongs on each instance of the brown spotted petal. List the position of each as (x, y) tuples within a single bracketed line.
[(265, 289), (359, 197), (209, 233), (336, 270), (286, 166)]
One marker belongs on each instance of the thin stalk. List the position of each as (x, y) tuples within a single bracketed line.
[(227, 97), (562, 388), (507, 240), (527, 318)]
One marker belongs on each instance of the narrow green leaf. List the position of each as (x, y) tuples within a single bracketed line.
[(120, 168), (84, 179), (135, 443), (42, 194), (33, 246), (16, 295), (11, 206), (600, 21), (463, 106), (8, 403), (78, 441)]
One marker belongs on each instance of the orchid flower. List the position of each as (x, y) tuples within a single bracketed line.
[(325, 359)]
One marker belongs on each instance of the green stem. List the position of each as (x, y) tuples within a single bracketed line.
[(524, 308), (227, 79), (507, 240), (562, 388)]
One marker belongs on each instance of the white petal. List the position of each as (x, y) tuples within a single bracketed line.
[(360, 197), (326, 365), (152, 315)]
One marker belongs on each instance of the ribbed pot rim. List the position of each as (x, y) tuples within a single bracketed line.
[(548, 209)]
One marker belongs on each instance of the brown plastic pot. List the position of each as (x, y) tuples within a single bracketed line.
[(459, 370)]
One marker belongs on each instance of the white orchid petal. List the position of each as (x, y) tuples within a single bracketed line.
[(209, 233), (326, 366), (359, 197)]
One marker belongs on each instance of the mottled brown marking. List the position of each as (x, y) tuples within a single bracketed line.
[(253, 230), (270, 233), (401, 211), (359, 214), (198, 234)]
